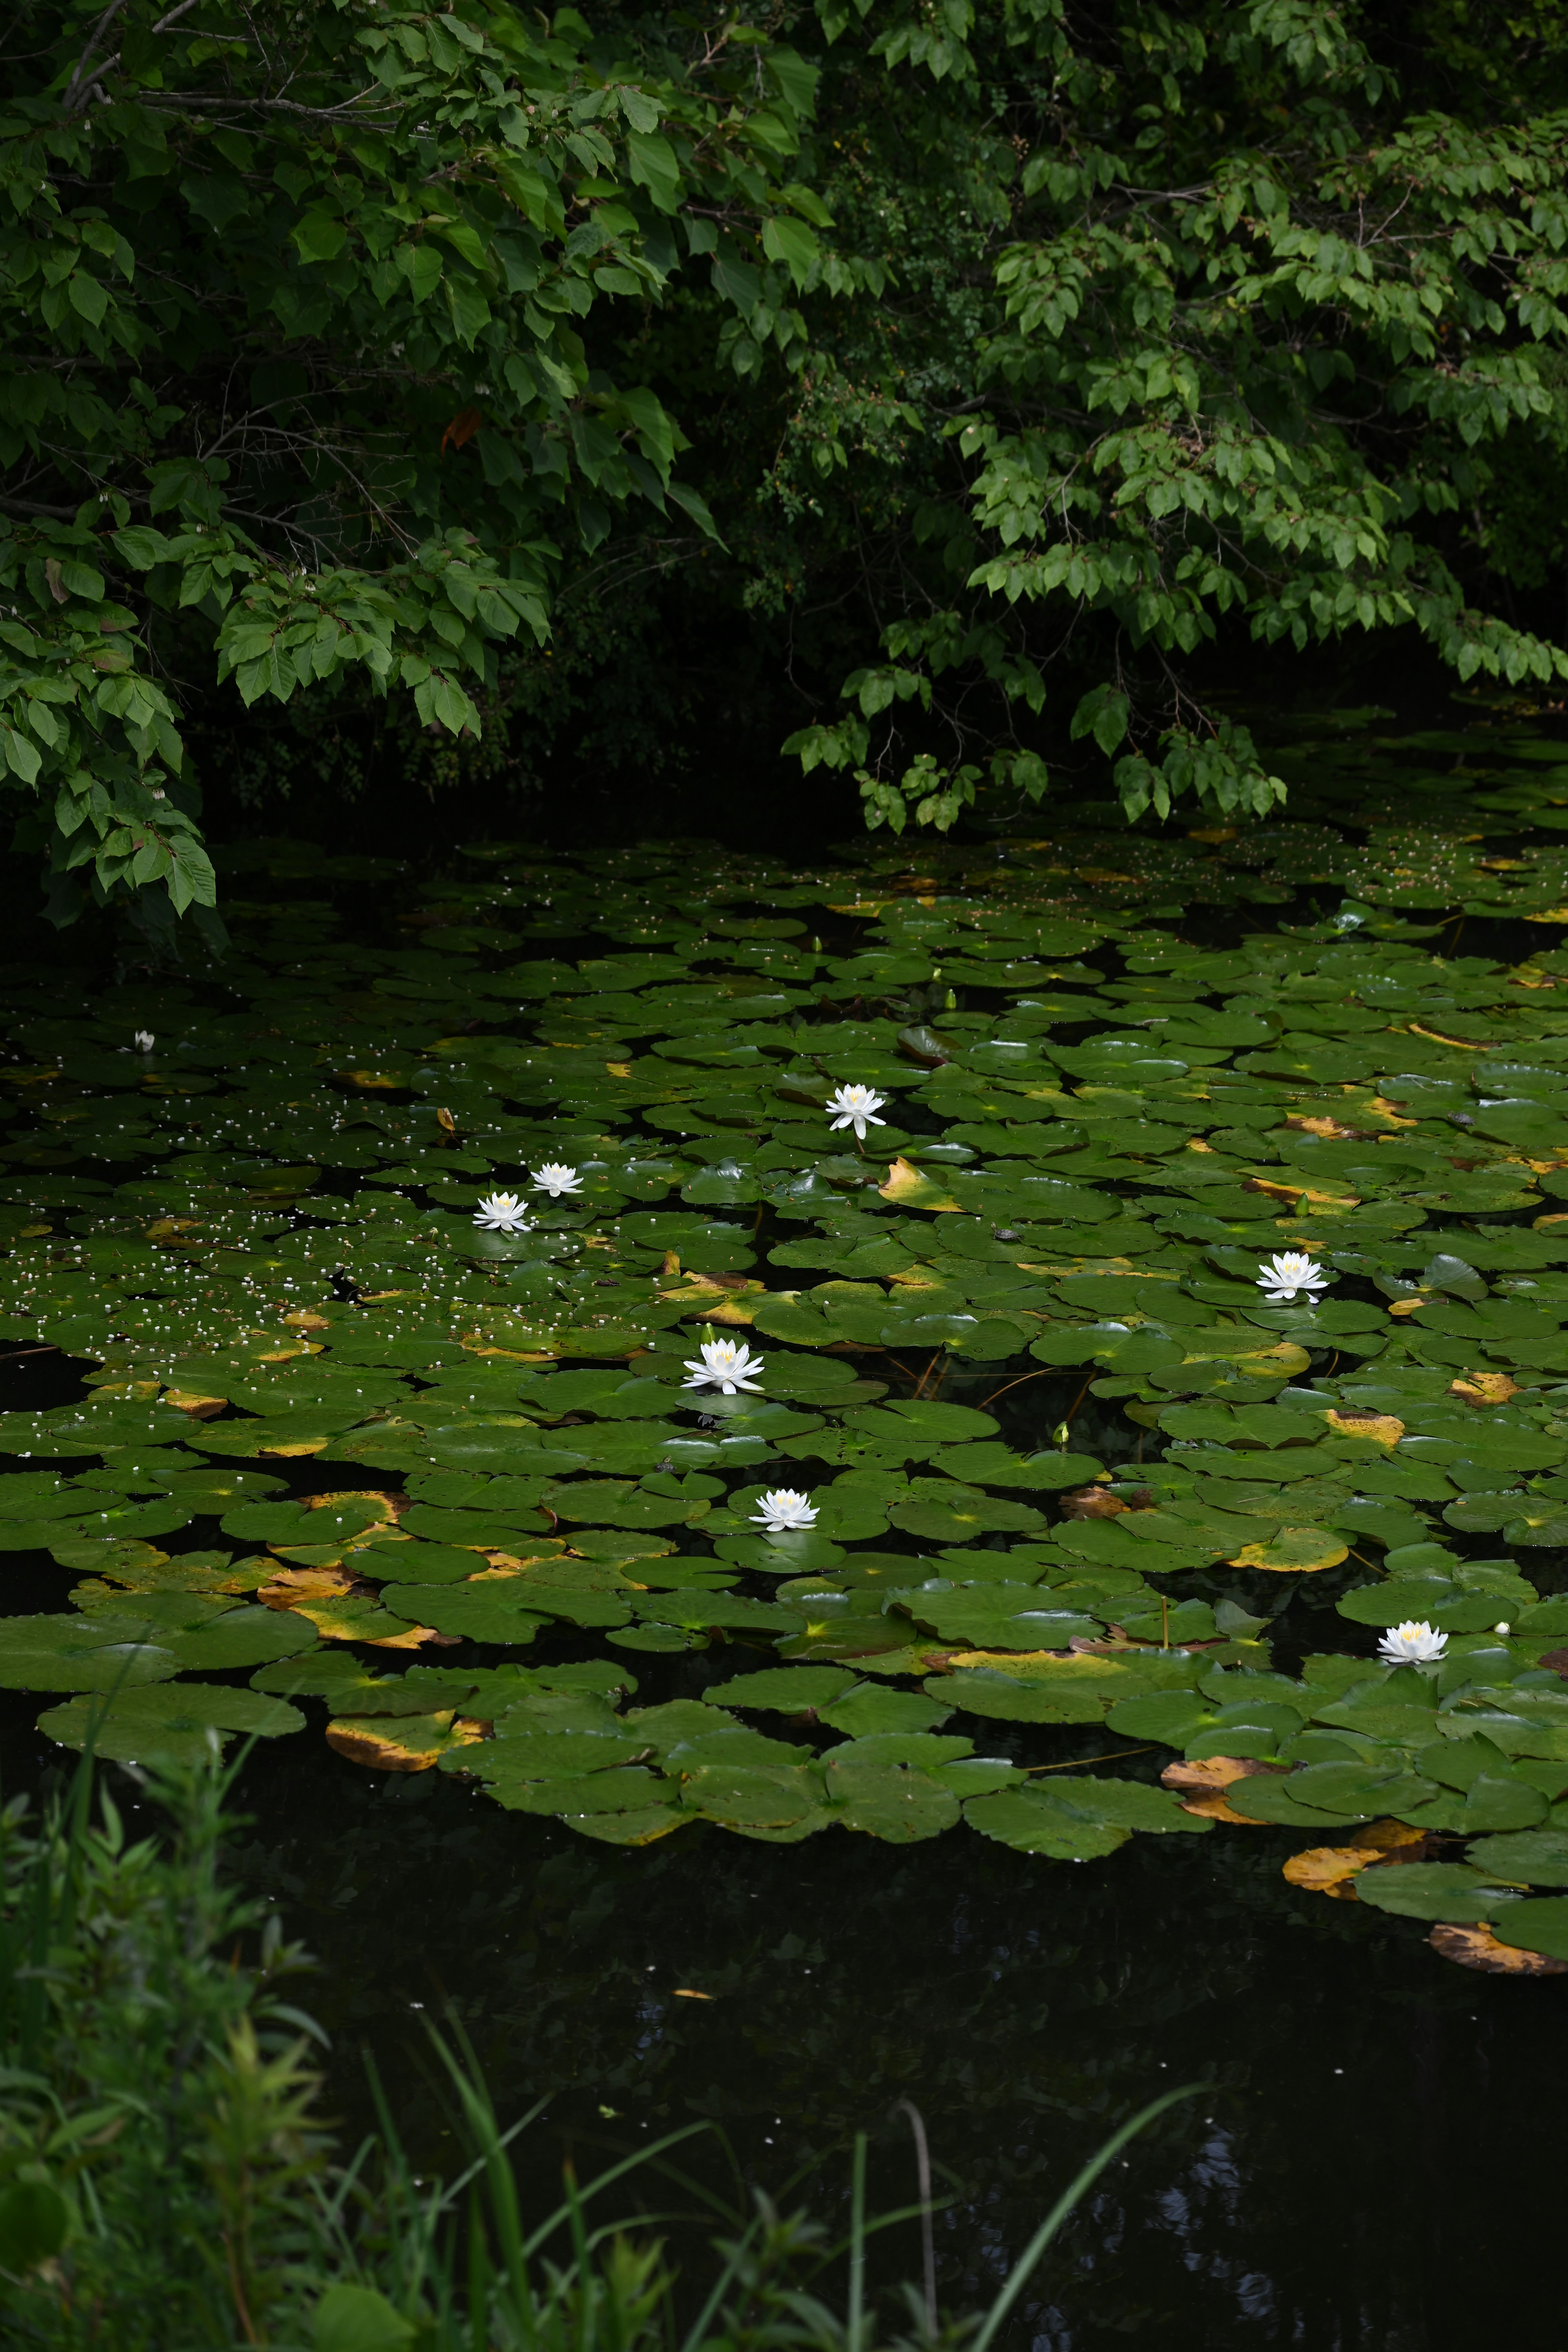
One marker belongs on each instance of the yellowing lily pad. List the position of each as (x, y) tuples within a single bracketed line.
[(908, 1187), (1295, 1550)]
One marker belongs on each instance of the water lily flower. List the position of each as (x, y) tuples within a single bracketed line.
[(1289, 1272), (500, 1212), (724, 1365), (141, 1043), (1414, 1644), (555, 1178), (783, 1512), (1502, 1627), (856, 1107)]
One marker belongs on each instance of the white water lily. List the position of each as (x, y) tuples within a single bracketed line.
[(500, 1212), (856, 1107), (555, 1178), (783, 1512), (143, 1042), (1285, 1276), (1503, 1627), (725, 1364), (1414, 1644)]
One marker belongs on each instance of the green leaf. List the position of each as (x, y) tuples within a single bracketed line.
[(173, 1723), (1538, 1925), (34, 2223), (1435, 1890), (1103, 713), (358, 2319), (793, 244)]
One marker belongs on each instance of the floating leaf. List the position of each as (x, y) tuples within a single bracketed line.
[(1532, 1858), (1478, 1947), (171, 1724), (1293, 1551), (410, 1743), (908, 1187), (1439, 1890), (794, 1689)]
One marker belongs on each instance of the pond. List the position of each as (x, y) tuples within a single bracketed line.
[(938, 1477)]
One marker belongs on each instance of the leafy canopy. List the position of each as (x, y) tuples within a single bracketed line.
[(265, 275), (1031, 346), (1230, 319)]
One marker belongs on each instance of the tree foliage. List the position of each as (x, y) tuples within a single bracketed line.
[(1254, 328), (265, 273), (964, 356)]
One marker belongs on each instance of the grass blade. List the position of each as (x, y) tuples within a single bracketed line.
[(1018, 2277)]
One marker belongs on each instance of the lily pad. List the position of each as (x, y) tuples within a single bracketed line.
[(1535, 1925), (80, 1654), (1437, 1890), (170, 1724), (794, 1690)]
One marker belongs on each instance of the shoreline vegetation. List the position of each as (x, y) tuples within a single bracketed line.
[(168, 2181)]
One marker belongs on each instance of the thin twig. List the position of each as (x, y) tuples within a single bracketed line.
[(1109, 1758), (1018, 1384), (90, 44)]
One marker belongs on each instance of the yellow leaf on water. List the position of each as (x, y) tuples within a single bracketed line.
[(1293, 1551), (1214, 1809), (1329, 1869), (1382, 1427), (406, 1743), (909, 1188), (1390, 1836), (287, 1586), (1204, 1774), (1484, 1388), (353, 1617)]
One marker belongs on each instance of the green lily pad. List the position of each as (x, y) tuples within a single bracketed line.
[(1436, 1890), (1019, 1819), (485, 1612), (896, 1802), (169, 1724), (241, 1637), (792, 1690), (1538, 1925), (80, 1654), (776, 1803), (1529, 1858)]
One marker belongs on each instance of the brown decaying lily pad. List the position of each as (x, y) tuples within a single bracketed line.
[(1332, 1870), (1477, 1947), (1207, 1778), (1204, 1774), (1484, 1388)]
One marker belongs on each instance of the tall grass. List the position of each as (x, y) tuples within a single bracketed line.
[(167, 2185)]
